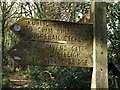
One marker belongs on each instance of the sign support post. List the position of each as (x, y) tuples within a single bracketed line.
[(100, 64)]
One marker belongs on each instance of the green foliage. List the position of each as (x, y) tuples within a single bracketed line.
[(113, 25), (71, 77), (113, 22), (5, 77), (64, 77)]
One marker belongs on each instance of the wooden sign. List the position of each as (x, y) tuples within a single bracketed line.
[(44, 53), (45, 42)]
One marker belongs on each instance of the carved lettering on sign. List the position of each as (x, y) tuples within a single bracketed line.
[(54, 31), (51, 54), (45, 42)]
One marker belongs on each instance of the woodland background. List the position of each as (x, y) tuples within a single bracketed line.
[(54, 76)]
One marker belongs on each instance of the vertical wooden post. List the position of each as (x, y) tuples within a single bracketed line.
[(100, 64), (0, 48)]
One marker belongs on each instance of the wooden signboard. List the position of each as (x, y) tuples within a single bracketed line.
[(46, 42)]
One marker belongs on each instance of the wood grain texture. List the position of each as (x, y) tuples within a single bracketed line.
[(100, 68), (45, 42)]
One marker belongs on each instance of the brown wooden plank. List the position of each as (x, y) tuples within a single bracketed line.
[(69, 43), (46, 53), (53, 31)]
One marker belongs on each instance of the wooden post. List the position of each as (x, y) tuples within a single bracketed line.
[(100, 64)]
